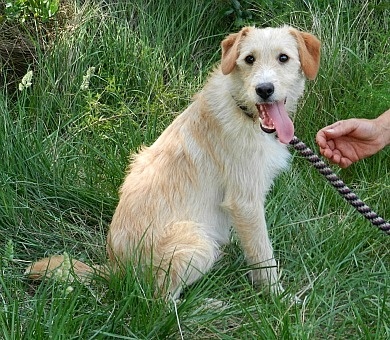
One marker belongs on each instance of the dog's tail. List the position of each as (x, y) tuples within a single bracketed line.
[(62, 267)]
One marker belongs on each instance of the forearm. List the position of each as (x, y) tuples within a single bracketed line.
[(383, 123)]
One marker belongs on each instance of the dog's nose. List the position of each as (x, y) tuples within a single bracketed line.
[(265, 90)]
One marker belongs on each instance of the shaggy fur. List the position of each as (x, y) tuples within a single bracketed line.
[(213, 166)]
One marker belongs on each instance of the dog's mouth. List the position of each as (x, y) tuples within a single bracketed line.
[(274, 118)]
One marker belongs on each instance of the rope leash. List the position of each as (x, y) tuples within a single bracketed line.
[(340, 186)]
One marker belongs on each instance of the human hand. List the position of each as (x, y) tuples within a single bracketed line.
[(348, 141)]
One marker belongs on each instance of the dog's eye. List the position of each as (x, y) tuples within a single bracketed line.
[(250, 59), (283, 58)]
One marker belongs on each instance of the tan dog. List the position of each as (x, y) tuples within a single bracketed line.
[(213, 166)]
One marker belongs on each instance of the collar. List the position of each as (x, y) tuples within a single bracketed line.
[(243, 108), (246, 111)]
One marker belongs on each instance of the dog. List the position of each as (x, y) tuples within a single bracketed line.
[(212, 167)]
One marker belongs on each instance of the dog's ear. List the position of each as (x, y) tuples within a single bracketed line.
[(230, 50), (309, 52)]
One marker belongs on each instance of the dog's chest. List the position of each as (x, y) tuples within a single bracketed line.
[(259, 156)]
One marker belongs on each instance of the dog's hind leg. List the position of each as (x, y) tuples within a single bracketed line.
[(62, 267), (182, 256)]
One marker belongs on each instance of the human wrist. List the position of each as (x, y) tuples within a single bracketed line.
[(383, 123)]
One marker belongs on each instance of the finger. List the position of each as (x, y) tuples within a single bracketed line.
[(345, 163), (321, 139), (327, 153), (336, 158), (341, 128)]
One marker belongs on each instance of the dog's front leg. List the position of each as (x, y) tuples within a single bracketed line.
[(249, 223)]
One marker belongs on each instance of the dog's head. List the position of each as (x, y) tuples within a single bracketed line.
[(268, 68)]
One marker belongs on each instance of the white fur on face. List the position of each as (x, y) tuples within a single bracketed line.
[(266, 46)]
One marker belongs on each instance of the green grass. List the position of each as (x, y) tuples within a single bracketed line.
[(65, 150)]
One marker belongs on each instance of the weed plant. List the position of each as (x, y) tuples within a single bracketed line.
[(115, 75)]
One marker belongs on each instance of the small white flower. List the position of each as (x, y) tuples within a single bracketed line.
[(85, 84), (26, 81), (69, 290), (58, 273), (66, 267), (64, 271)]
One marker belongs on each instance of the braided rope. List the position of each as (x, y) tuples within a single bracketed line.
[(340, 186)]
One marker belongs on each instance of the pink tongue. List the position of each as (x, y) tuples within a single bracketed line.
[(282, 122)]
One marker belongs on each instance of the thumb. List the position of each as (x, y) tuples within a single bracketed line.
[(339, 129)]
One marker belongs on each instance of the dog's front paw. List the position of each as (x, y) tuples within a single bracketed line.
[(266, 281), (276, 289)]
